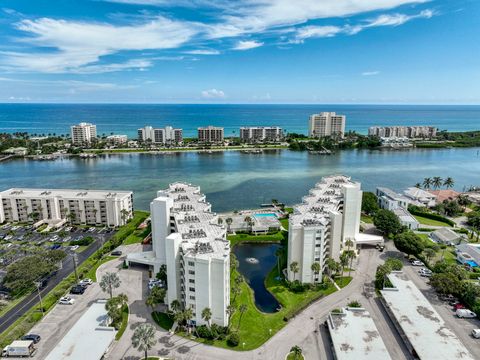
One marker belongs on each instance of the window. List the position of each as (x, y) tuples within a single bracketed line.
[(191, 263), (191, 272), (191, 281), (192, 297), (191, 289)]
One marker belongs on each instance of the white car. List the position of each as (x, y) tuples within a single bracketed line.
[(74, 247), (66, 300), (417, 263), (465, 313), (476, 333), (86, 282)]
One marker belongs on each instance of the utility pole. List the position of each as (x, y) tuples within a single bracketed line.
[(74, 257), (38, 283)]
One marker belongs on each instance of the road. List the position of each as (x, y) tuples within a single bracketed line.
[(302, 330), (31, 300)]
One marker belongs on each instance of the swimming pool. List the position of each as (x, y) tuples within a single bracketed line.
[(265, 215)]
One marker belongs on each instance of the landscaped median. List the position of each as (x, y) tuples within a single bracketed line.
[(86, 269)]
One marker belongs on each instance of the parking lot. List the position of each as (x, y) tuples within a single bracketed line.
[(462, 327)]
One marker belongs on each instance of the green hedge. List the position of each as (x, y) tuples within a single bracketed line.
[(429, 215)]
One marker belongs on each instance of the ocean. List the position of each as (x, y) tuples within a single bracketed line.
[(126, 118)]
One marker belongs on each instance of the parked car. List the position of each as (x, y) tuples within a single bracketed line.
[(77, 289), (86, 282), (66, 300), (417, 263), (34, 337), (465, 313), (116, 253), (74, 247), (457, 306), (476, 333), (154, 283)]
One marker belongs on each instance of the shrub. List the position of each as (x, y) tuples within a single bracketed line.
[(233, 339), (394, 263), (204, 332), (354, 304), (82, 242)]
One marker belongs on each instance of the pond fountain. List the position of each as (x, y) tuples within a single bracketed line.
[(252, 260), (255, 263)]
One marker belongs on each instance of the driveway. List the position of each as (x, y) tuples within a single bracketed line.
[(303, 330)]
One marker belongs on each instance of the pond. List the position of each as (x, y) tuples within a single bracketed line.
[(255, 263)]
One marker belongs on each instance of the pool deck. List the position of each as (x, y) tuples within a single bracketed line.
[(264, 219)]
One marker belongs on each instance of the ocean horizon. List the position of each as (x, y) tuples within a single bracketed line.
[(43, 118)]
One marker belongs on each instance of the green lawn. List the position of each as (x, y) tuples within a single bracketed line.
[(284, 223), (366, 219), (343, 281), (292, 356), (163, 320), (235, 239), (137, 236), (124, 324), (92, 272), (425, 221)]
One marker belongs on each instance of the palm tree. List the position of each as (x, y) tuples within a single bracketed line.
[(418, 185), (229, 222), (207, 315), (236, 291), (448, 183), (344, 259), (109, 282), (230, 311), (220, 221), (296, 351), (187, 315), (437, 182), (243, 308), (249, 222), (350, 256), (294, 268), (278, 254), (331, 266), (125, 214), (429, 254), (144, 338), (175, 306), (427, 182), (316, 268)]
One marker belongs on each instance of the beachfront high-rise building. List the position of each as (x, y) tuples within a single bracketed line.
[(167, 135), (187, 239), (261, 133), (210, 134), (83, 133), (326, 124), (57, 206), (319, 227), (411, 132)]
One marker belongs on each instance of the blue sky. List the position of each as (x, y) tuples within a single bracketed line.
[(244, 51)]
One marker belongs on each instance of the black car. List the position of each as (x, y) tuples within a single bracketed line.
[(77, 289), (116, 253), (33, 337)]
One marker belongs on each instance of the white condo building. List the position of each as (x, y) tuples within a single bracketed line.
[(210, 134), (410, 132), (83, 133), (261, 133), (91, 207), (326, 124), (167, 135), (187, 239), (319, 226)]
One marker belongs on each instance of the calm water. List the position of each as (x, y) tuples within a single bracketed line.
[(232, 180), (125, 119), (255, 274)]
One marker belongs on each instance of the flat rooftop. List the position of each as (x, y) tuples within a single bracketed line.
[(63, 193), (404, 215), (355, 336), (88, 339), (323, 199), (425, 329)]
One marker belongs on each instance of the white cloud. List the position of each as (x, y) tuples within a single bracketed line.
[(80, 45), (370, 73), (247, 44), (306, 32), (203, 52), (213, 94)]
